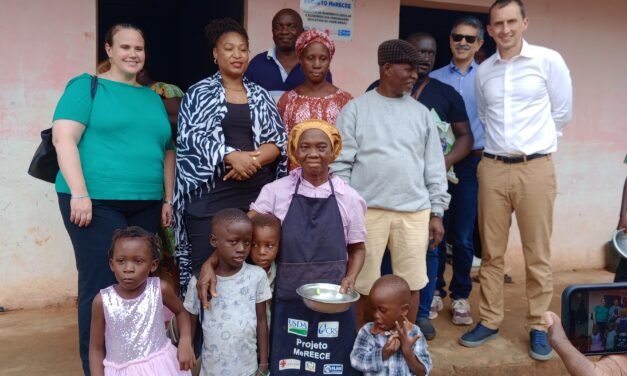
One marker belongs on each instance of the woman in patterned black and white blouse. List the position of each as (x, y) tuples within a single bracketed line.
[(231, 142)]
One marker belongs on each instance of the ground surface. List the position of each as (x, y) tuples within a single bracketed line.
[(44, 342)]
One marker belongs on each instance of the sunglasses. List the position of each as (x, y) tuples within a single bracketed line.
[(459, 37)]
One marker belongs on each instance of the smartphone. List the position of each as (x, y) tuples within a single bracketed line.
[(595, 317)]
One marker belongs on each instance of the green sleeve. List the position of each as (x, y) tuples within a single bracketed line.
[(75, 103)]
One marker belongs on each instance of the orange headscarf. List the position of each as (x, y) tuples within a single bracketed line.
[(300, 128)]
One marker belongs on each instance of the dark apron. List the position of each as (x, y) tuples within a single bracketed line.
[(313, 249)]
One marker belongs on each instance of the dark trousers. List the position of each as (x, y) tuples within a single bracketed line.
[(459, 225), (199, 234), (91, 247), (460, 228)]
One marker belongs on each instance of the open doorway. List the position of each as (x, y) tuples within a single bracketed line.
[(438, 22), (176, 48)]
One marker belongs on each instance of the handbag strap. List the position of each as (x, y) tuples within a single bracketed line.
[(94, 86)]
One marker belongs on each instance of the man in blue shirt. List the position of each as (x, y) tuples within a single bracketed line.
[(465, 40), (278, 70)]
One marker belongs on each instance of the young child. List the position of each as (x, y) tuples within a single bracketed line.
[(391, 345), (127, 318), (236, 323), (263, 252)]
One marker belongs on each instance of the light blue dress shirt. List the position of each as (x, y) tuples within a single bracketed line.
[(465, 86)]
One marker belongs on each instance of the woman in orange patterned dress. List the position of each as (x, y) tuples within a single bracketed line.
[(315, 98)]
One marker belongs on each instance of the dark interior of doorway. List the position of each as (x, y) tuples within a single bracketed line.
[(438, 22), (176, 48)]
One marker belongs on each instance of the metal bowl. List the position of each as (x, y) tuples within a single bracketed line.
[(326, 297), (619, 239)]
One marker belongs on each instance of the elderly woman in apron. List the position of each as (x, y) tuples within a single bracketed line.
[(323, 240)]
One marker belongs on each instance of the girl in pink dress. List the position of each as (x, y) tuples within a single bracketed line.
[(127, 334)]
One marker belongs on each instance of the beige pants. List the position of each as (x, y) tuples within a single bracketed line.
[(406, 234), (528, 189)]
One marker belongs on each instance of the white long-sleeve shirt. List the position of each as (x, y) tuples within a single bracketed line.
[(524, 102)]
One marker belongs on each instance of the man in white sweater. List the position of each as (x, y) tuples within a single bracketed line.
[(392, 156)]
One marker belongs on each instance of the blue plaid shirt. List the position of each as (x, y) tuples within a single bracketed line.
[(367, 354)]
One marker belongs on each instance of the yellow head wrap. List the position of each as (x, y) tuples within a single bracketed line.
[(300, 128)]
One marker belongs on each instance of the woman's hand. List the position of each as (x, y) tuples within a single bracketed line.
[(166, 214), (66, 135), (242, 165), (356, 257), (80, 211), (347, 283), (207, 281)]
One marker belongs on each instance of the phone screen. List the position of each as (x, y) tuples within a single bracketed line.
[(595, 318)]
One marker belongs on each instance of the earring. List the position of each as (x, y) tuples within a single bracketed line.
[(215, 61)]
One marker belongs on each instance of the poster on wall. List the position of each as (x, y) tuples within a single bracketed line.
[(336, 17)]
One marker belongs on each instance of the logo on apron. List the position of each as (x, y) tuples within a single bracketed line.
[(310, 366), (289, 364), (328, 329), (298, 327), (333, 369)]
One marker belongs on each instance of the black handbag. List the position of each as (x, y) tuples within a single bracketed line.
[(44, 165)]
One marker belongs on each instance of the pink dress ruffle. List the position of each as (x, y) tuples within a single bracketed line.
[(163, 362)]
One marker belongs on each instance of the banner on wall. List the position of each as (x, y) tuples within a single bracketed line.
[(336, 17)]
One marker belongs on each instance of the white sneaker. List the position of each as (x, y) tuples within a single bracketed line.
[(449, 250), (436, 306), (460, 310), (476, 262)]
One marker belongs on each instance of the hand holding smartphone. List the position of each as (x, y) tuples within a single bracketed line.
[(594, 317)]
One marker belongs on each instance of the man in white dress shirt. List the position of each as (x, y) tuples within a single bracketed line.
[(524, 98)]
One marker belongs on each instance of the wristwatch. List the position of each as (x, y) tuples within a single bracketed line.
[(439, 215)]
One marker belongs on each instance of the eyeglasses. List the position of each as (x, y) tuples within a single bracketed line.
[(459, 37)]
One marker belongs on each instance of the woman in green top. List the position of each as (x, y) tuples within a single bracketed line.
[(116, 164)]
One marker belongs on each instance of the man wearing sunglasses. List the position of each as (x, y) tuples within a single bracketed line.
[(450, 108), (524, 98), (465, 40)]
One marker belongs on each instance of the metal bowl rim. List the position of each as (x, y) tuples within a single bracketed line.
[(353, 297), (615, 236)]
